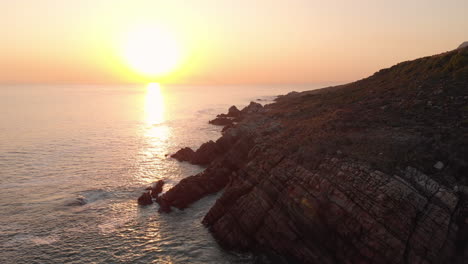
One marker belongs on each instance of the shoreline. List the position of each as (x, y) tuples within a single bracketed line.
[(371, 171)]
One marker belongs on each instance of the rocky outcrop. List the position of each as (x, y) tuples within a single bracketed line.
[(145, 199), (369, 172), (343, 211), (157, 188), (211, 151), (153, 191), (203, 156), (235, 115), (184, 154), (231, 151), (221, 121), (233, 112), (253, 107)]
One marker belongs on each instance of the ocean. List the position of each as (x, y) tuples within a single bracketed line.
[(74, 159)]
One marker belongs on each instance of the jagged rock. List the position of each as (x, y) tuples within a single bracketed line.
[(327, 177), (225, 128), (253, 107), (184, 154), (221, 121), (145, 199), (233, 111), (214, 178), (206, 153), (227, 120), (157, 188), (319, 215), (195, 187)]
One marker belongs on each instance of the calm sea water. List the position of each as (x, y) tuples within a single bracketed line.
[(104, 145)]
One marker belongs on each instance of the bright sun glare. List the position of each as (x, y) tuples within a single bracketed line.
[(154, 105), (151, 51)]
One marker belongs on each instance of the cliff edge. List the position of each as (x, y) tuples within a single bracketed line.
[(374, 171)]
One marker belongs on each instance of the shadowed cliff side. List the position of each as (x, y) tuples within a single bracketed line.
[(374, 171)]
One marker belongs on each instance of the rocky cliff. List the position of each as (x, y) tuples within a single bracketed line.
[(374, 171)]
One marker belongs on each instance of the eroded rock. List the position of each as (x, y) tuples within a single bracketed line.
[(326, 176), (184, 154), (221, 121)]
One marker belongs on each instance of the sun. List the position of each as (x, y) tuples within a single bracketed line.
[(151, 51)]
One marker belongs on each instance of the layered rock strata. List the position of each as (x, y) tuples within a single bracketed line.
[(370, 172)]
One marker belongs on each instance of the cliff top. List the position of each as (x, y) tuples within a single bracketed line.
[(367, 172), (463, 45), (412, 114)]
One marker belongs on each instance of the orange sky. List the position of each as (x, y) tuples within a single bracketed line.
[(294, 41)]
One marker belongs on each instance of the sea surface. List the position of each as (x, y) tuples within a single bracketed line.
[(74, 159)]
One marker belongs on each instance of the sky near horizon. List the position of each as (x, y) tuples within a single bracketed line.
[(221, 41)]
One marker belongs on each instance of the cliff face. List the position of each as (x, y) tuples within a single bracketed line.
[(369, 172)]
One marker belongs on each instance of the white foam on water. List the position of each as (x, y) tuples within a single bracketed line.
[(32, 239), (111, 225)]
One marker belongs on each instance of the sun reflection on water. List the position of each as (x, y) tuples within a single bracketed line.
[(156, 133), (154, 104)]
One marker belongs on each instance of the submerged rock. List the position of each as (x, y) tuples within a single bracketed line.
[(79, 201)]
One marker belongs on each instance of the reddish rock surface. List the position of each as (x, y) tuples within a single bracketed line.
[(157, 188), (145, 199), (374, 171), (222, 121)]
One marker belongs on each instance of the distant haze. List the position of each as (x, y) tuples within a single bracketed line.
[(225, 41)]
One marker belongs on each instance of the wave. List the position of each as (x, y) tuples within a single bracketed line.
[(89, 196), (36, 240)]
